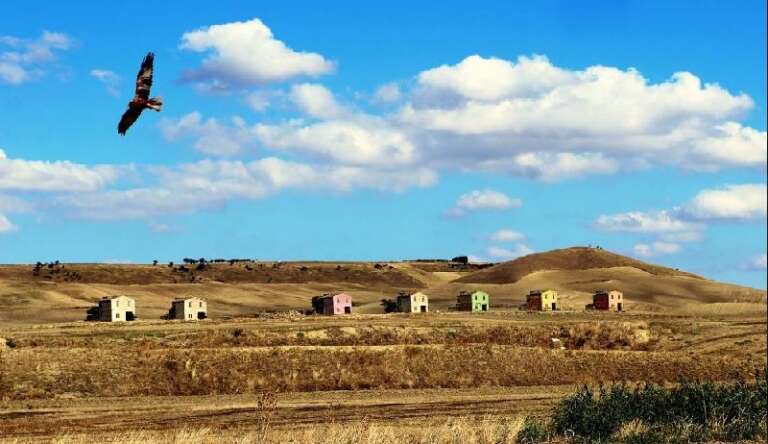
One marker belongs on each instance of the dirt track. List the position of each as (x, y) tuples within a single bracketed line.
[(43, 418)]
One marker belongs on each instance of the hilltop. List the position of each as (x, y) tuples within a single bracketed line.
[(574, 258)]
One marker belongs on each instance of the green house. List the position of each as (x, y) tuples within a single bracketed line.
[(475, 301)]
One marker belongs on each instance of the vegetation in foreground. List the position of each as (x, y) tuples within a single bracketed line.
[(649, 414)]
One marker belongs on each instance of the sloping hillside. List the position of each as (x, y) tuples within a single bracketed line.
[(575, 258), (362, 273)]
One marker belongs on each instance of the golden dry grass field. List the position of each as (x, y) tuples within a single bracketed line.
[(249, 376)]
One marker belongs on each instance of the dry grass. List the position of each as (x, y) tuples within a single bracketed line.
[(133, 371), (600, 335), (462, 430)]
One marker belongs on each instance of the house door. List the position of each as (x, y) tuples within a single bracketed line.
[(618, 306), (554, 306), (423, 308), (347, 309), (129, 316), (201, 315), (484, 307)]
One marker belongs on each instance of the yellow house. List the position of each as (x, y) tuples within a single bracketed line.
[(413, 302), (543, 300)]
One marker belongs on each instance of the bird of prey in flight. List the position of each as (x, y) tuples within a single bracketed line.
[(141, 99)]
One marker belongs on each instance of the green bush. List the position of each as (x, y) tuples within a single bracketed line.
[(533, 431), (729, 412)]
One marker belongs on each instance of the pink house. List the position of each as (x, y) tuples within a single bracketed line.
[(337, 303)]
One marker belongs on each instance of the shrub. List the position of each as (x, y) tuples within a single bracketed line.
[(533, 431), (731, 411)]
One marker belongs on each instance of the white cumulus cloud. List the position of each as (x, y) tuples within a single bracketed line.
[(210, 184), (248, 53), (36, 175), (387, 93), (606, 118), (731, 202), (22, 60), (656, 249), (361, 141), (109, 79), (507, 235), (508, 253), (645, 222), (316, 100), (480, 200), (211, 136)]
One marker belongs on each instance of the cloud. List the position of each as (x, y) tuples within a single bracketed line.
[(507, 235), (258, 101), (492, 79), (23, 60), (109, 79), (387, 93), (507, 254), (5, 225), (12, 204), (606, 118), (35, 175), (211, 136), (481, 200), (316, 101), (361, 141), (160, 228), (246, 53), (688, 222), (210, 184), (758, 263), (731, 202), (645, 222), (552, 167), (656, 249), (527, 118)]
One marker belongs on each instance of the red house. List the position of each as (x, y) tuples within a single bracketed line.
[(608, 300)]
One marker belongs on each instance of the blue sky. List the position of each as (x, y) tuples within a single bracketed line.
[(349, 131)]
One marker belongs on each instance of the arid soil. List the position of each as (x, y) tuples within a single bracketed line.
[(260, 368)]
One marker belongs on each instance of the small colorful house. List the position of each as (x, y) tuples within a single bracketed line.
[(116, 309), (332, 304), (608, 300), (476, 301), (541, 300), (188, 309), (413, 302)]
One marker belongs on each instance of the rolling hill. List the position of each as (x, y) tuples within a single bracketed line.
[(575, 259), (61, 293)]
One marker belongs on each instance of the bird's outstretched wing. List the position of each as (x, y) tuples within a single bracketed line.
[(144, 77), (129, 116)]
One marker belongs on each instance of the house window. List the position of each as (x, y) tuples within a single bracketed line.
[(117, 315)]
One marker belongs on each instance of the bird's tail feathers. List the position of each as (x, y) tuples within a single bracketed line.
[(156, 103)]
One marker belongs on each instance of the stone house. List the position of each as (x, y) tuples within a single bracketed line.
[(332, 304), (413, 302), (542, 300), (477, 301), (608, 300), (188, 309), (116, 309)]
